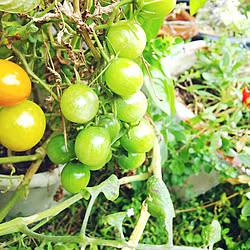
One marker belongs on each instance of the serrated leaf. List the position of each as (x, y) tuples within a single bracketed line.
[(18, 6), (195, 5)]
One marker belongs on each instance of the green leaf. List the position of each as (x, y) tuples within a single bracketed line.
[(110, 188), (163, 87), (212, 233), (93, 247), (159, 202), (225, 63), (18, 6), (246, 209), (177, 166), (164, 148), (115, 220), (195, 5), (215, 140), (245, 159)]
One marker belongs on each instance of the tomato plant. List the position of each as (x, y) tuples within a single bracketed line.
[(74, 177), (57, 152), (131, 108), (139, 139), (152, 14), (21, 126), (79, 103), (126, 39), (131, 161), (92, 145), (20, 6), (124, 77), (15, 85), (112, 124), (102, 164)]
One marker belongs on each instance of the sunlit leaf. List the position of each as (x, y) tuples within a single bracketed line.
[(18, 6), (246, 209), (195, 5)]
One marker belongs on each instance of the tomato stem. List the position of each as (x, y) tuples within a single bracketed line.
[(32, 74), (23, 158)]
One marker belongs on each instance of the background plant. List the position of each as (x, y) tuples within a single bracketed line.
[(55, 56)]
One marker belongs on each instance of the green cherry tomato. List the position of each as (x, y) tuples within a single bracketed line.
[(131, 108), (127, 39), (131, 161), (74, 177), (101, 165), (139, 139), (79, 103), (124, 77), (56, 150), (92, 145), (112, 124), (21, 126)]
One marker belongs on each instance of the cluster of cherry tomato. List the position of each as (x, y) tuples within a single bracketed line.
[(124, 131), (22, 122)]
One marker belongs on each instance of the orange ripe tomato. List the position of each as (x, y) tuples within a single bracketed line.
[(15, 85)]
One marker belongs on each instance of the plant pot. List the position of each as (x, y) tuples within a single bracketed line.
[(203, 181), (180, 24), (42, 190)]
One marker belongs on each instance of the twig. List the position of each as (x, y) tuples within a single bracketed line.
[(150, 78), (210, 204)]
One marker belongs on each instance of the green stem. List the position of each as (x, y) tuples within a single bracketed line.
[(140, 177), (32, 74), (105, 56), (87, 215), (91, 47), (23, 158), (47, 10), (140, 226), (155, 166), (76, 7), (51, 238), (116, 9), (102, 242), (22, 190), (14, 225), (112, 17)]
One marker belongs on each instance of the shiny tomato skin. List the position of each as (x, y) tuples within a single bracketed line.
[(79, 103), (15, 85), (92, 145), (112, 124), (126, 39), (101, 165), (131, 108), (74, 177), (124, 77), (56, 150), (139, 138), (131, 161), (21, 126)]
